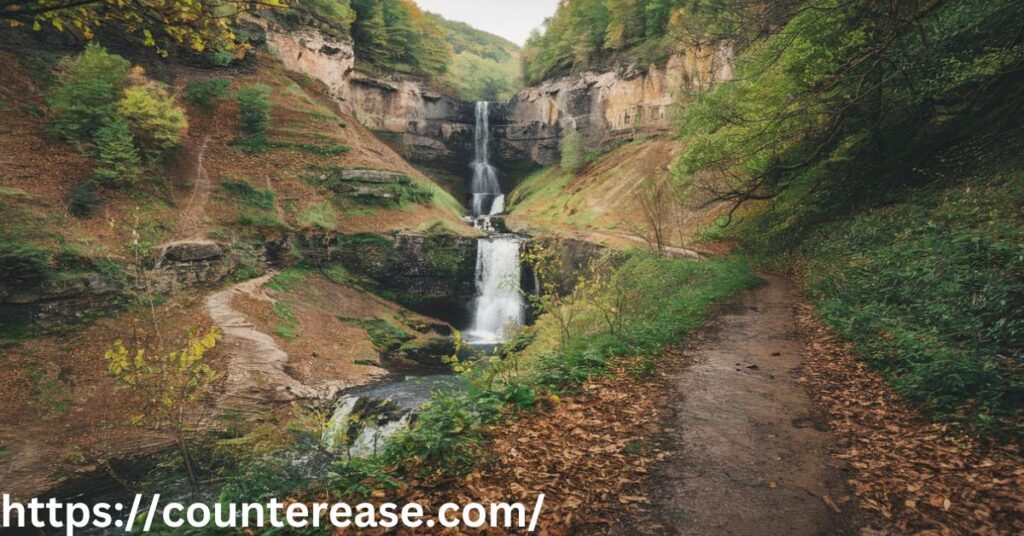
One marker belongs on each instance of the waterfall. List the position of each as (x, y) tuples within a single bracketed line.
[(499, 302), (485, 188)]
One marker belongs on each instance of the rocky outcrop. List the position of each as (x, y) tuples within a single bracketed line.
[(436, 130), (66, 299), (187, 264), (369, 186), (431, 274), (425, 126), (603, 106)]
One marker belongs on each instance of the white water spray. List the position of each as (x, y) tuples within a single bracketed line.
[(499, 302)]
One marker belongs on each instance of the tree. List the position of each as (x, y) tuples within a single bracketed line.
[(370, 31), (842, 82), (196, 24), (88, 88), (476, 78), (658, 204), (119, 162), (156, 122), (397, 35), (169, 388), (625, 23)]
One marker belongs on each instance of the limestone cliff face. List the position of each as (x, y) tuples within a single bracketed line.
[(436, 130), (427, 127), (603, 106)]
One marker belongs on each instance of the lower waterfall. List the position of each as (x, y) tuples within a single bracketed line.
[(499, 303)]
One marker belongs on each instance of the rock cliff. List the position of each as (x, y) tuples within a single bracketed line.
[(427, 127), (603, 106), (430, 274), (436, 130)]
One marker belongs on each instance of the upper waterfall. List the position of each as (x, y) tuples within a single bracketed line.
[(487, 195)]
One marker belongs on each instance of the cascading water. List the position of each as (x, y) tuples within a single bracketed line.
[(487, 196), (499, 302)]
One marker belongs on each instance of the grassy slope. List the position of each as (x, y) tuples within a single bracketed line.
[(927, 283), (601, 203), (303, 113), (40, 171)]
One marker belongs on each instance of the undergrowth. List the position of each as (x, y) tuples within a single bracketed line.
[(927, 283)]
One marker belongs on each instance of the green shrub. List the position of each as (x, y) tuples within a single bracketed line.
[(249, 195), (260, 220), (254, 144), (661, 301), (83, 199), (89, 86), (447, 438), (382, 333), (156, 122), (119, 162), (254, 102), (930, 290), (221, 58), (205, 93)]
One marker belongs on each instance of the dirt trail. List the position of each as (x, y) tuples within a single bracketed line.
[(256, 364), (749, 454), (191, 223)]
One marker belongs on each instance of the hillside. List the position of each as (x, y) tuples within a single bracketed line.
[(72, 276), (604, 202), (483, 66)]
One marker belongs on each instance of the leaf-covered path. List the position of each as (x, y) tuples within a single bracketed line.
[(749, 455)]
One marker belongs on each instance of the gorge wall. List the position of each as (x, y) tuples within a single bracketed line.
[(436, 130), (424, 125), (603, 106)]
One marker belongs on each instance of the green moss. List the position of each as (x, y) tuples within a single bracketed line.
[(249, 195), (384, 335), (323, 216), (366, 239), (22, 260), (288, 324), (288, 279), (260, 221)]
